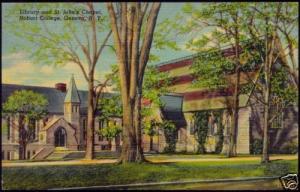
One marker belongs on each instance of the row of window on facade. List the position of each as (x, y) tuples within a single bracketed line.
[(277, 123), (74, 108), (8, 155), (212, 126), (34, 123)]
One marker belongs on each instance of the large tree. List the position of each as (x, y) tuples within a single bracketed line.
[(26, 106), (132, 49), (155, 84), (268, 21), (222, 24), (80, 42)]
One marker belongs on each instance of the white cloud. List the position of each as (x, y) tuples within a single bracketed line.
[(46, 69), (15, 56), (24, 72)]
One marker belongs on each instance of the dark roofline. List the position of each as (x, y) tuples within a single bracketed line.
[(26, 85), (176, 60), (10, 84), (174, 94), (223, 48)]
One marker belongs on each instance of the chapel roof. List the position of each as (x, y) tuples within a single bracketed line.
[(55, 97)]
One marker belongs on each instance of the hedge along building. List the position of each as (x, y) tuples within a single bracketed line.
[(190, 101)]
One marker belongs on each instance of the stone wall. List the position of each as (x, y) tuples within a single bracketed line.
[(281, 137), (243, 133)]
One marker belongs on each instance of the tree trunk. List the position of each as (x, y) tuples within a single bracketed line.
[(234, 126), (138, 126), (22, 137), (132, 150), (109, 144), (129, 146), (89, 153), (132, 62), (265, 156), (266, 94)]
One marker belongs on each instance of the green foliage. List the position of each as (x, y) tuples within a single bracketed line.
[(109, 107), (111, 131), (210, 69), (220, 135), (201, 128), (32, 105), (155, 84), (150, 127), (47, 177), (282, 90), (256, 146), (162, 38), (170, 133)]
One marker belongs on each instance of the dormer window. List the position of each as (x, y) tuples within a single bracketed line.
[(8, 127)]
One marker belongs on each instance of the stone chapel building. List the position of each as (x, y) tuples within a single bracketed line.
[(64, 127)]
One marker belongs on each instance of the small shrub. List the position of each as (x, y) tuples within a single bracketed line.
[(290, 148), (201, 129), (170, 132), (256, 146), (277, 169)]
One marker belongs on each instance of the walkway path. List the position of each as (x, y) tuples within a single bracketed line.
[(151, 158), (257, 183), (71, 162), (277, 157)]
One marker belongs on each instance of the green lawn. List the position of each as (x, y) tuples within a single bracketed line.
[(45, 177)]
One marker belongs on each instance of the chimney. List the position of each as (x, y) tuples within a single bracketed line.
[(61, 87)]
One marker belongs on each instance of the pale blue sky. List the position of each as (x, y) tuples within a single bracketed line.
[(17, 68)]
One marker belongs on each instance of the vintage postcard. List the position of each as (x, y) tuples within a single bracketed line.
[(157, 95)]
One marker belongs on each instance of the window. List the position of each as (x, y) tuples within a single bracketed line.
[(192, 127), (84, 128), (33, 153), (210, 126), (277, 122), (74, 108), (3, 152), (37, 129), (33, 128), (8, 128), (8, 155), (227, 124), (28, 154)]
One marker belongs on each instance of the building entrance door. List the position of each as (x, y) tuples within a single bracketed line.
[(60, 137)]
